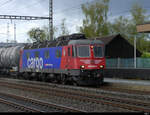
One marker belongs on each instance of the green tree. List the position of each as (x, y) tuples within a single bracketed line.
[(127, 27), (139, 17), (40, 34), (138, 14), (120, 26), (46, 30), (145, 55), (37, 34), (95, 22), (64, 30)]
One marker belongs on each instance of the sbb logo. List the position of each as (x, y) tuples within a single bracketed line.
[(35, 63)]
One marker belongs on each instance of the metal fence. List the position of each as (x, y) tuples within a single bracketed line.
[(127, 63)]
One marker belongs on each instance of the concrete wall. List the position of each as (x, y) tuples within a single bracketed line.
[(128, 73)]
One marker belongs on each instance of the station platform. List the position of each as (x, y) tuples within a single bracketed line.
[(135, 82)]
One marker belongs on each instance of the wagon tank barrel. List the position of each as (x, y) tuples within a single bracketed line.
[(9, 56)]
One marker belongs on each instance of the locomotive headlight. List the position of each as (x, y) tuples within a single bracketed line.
[(82, 66), (92, 47), (101, 66)]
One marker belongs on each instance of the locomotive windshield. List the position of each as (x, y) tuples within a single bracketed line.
[(83, 51), (97, 51)]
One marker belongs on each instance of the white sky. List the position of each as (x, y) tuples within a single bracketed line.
[(69, 9)]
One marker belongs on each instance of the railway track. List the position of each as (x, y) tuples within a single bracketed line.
[(18, 106), (32, 105), (106, 87), (128, 104), (126, 90)]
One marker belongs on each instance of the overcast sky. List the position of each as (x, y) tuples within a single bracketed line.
[(68, 9)]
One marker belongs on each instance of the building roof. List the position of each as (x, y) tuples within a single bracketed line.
[(120, 44), (86, 41), (107, 39)]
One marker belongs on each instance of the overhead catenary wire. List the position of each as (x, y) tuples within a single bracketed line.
[(5, 3), (25, 7), (71, 9), (10, 8)]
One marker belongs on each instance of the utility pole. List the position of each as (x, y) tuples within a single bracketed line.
[(135, 51), (15, 32), (7, 32), (50, 19)]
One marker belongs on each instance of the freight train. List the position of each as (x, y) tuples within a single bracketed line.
[(71, 59)]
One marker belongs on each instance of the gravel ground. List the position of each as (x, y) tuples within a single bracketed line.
[(5, 108), (90, 107)]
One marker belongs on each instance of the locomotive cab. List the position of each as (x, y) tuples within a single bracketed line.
[(85, 61), (90, 57)]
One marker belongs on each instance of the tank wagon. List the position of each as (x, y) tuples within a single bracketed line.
[(9, 57), (71, 59)]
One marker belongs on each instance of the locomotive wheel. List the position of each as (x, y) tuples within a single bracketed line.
[(25, 76), (37, 77), (75, 83), (41, 77), (63, 79)]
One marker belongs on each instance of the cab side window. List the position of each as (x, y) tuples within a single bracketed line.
[(73, 50), (69, 52), (58, 53)]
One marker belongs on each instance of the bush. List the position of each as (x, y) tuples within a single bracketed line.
[(145, 55)]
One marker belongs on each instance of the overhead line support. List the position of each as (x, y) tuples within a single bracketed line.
[(16, 17), (50, 19)]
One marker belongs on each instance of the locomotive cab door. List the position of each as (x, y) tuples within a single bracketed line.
[(69, 54), (67, 58)]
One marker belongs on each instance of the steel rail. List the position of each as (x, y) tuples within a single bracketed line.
[(41, 103), (18, 106), (126, 104)]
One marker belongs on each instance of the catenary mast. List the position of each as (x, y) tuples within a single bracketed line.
[(50, 19)]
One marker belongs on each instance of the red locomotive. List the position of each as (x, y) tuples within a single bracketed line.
[(84, 61)]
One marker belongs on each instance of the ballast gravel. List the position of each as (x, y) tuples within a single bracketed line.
[(86, 106)]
